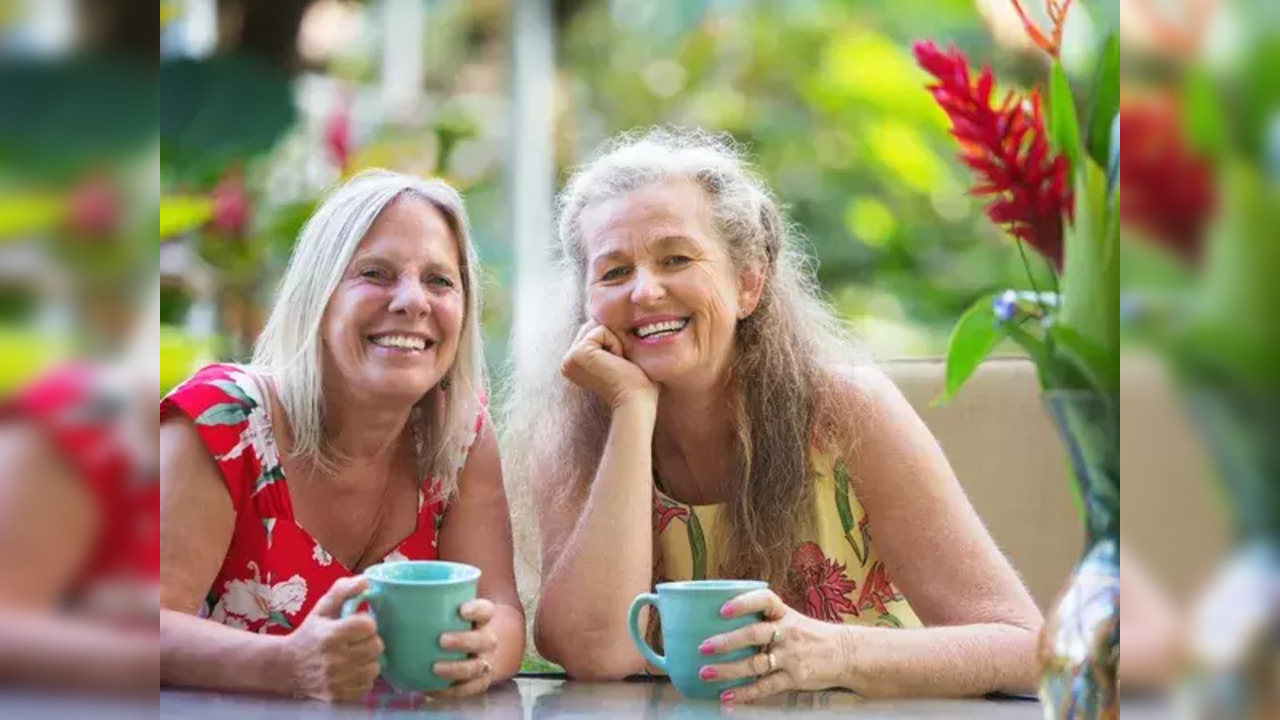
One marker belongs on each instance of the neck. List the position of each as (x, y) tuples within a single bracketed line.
[(694, 442), (364, 432)]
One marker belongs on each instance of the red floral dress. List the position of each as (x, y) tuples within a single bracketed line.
[(274, 570), (84, 416)]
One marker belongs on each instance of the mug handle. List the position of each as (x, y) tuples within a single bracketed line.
[(633, 625), (349, 608)]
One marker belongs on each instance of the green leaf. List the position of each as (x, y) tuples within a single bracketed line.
[(1091, 265), (842, 497), (180, 214), (1064, 126), (1098, 369), (975, 335), (1106, 101), (234, 391), (1206, 128), (697, 546), (1035, 349), (223, 414)]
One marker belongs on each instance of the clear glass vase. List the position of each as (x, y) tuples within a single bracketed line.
[(1233, 668), (1079, 646)]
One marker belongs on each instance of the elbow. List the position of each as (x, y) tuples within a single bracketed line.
[(585, 654)]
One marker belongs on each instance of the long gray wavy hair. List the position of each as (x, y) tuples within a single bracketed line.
[(787, 349)]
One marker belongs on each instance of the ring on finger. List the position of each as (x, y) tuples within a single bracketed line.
[(777, 635), (773, 661), (485, 667)]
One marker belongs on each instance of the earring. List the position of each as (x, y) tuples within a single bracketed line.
[(445, 383)]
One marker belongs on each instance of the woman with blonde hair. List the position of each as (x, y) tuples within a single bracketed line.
[(697, 411), (357, 435)]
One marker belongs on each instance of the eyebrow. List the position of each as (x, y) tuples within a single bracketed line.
[(660, 243), (432, 265)]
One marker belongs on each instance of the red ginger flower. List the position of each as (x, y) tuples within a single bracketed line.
[(822, 583), (1168, 189), (1007, 148)]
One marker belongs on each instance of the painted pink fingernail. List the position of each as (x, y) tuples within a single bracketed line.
[(707, 648), (726, 610), (707, 673), (726, 696)]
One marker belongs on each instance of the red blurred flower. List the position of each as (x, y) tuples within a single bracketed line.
[(1007, 148), (337, 134), (230, 205), (1168, 190)]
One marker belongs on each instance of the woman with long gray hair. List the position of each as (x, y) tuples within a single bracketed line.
[(695, 410), (357, 435)]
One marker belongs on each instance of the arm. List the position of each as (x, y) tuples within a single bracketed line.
[(1152, 631), (981, 621), (608, 535), (196, 523), (48, 523), (477, 531)]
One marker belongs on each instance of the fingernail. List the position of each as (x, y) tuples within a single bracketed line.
[(726, 696), (707, 673), (726, 610), (707, 648)]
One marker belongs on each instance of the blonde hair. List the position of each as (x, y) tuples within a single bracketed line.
[(289, 350), (782, 371)]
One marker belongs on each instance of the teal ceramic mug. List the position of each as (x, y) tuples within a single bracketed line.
[(414, 602), (690, 613)]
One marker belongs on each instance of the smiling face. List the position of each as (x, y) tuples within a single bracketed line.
[(392, 326), (660, 278)]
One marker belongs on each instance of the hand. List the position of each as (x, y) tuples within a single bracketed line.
[(595, 362), (807, 654), (473, 675), (332, 658)]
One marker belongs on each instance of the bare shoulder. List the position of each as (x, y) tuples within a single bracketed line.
[(863, 396)]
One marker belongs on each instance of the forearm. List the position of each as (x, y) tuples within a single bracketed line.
[(959, 661), (195, 652), (607, 560), (43, 649)]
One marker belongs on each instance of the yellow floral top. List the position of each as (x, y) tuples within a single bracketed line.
[(835, 575)]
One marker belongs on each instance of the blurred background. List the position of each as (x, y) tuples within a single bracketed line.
[(267, 104)]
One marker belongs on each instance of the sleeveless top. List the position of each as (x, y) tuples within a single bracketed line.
[(274, 570), (835, 574), (85, 418)]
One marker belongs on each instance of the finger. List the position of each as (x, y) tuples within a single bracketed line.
[(478, 611), (586, 328), (764, 601), (366, 650), (753, 635), (463, 670), (461, 690), (605, 338), (755, 666), (766, 686), (472, 643), (355, 629), (330, 604)]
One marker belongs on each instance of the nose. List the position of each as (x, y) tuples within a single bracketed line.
[(648, 288), (409, 298)]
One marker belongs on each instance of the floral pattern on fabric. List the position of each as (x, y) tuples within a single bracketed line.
[(274, 570), (833, 576)]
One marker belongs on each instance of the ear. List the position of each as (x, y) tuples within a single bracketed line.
[(750, 288)]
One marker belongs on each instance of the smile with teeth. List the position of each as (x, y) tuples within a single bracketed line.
[(400, 342), (659, 329)]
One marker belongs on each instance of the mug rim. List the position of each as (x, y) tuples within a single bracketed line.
[(469, 573), (711, 585)]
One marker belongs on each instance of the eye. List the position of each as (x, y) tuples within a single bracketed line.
[(373, 274), (441, 281), (677, 260), (616, 273)]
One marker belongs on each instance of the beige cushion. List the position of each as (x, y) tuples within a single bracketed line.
[(1011, 463)]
